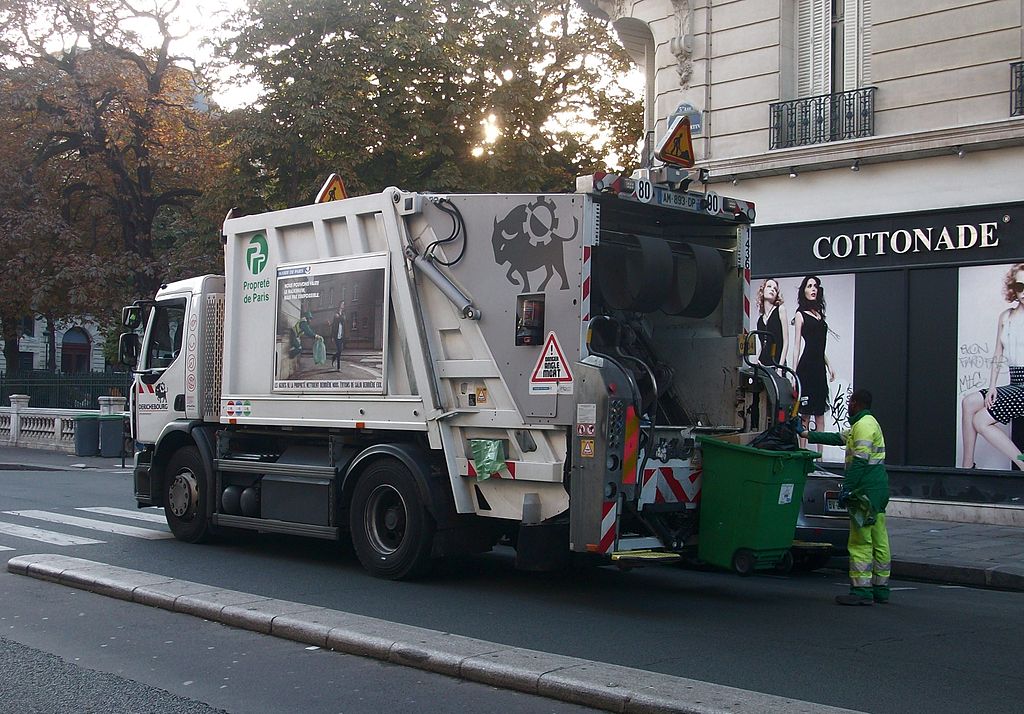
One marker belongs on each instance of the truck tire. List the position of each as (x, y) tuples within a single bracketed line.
[(185, 496), (392, 532)]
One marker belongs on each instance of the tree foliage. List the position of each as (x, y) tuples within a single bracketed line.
[(401, 92), (111, 135), (116, 124), (115, 170)]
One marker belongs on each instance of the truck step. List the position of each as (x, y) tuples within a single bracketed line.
[(644, 557), (268, 525), (262, 467)]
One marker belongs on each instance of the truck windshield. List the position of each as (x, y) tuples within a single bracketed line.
[(166, 327)]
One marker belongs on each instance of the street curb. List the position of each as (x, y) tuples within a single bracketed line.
[(999, 577), (995, 577), (570, 679)]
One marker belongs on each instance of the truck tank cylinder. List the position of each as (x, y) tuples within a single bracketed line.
[(250, 502), (231, 500)]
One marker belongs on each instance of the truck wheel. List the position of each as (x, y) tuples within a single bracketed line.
[(391, 530), (185, 495)]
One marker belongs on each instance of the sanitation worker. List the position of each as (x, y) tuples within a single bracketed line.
[(866, 493)]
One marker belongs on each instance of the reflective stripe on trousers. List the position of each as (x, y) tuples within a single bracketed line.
[(870, 560)]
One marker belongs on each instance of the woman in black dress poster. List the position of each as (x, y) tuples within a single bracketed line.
[(809, 336), (772, 319)]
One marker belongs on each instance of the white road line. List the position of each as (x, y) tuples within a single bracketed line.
[(117, 528), (44, 536), (4, 547), (148, 516)]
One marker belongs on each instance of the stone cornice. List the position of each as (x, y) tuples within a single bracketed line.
[(870, 150)]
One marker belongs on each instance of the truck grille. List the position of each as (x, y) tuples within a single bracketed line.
[(213, 341)]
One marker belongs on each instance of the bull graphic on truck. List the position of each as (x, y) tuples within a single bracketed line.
[(527, 239)]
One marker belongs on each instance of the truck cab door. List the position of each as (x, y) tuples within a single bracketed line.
[(160, 376)]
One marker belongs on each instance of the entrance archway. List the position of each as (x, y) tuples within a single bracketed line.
[(75, 351)]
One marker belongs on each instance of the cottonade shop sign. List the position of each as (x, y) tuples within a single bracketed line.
[(962, 236)]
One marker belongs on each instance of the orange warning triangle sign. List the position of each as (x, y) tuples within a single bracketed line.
[(677, 145), (333, 190), (552, 365)]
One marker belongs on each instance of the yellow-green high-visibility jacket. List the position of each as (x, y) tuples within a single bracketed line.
[(865, 457)]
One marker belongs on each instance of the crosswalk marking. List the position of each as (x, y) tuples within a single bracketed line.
[(149, 516), (89, 523), (51, 537)]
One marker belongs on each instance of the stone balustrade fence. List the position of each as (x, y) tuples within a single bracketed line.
[(21, 425)]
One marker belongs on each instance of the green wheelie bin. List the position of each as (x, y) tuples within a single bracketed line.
[(749, 503)]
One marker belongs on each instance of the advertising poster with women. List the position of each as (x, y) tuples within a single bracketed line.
[(815, 321), (990, 366)]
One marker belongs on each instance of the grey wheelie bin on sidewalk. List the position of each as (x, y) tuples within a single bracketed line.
[(111, 434), (87, 435)]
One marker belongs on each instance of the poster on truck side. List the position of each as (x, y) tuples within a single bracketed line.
[(331, 330)]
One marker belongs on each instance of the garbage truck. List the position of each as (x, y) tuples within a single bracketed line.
[(432, 374)]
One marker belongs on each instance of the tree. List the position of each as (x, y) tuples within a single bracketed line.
[(402, 92), (117, 125)]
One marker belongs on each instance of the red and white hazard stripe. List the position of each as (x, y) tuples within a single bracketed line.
[(585, 299), (609, 526), (143, 388), (509, 471), (668, 484)]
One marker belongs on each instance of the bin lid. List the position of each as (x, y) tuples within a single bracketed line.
[(794, 454), (87, 417)]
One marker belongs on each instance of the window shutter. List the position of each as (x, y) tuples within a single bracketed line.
[(814, 66), (857, 44)]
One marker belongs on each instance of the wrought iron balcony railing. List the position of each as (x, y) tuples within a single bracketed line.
[(824, 118), (1017, 89)]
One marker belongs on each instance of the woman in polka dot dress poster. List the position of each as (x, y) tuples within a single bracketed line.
[(984, 412)]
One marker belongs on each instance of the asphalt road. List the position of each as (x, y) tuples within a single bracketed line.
[(66, 650), (934, 649)]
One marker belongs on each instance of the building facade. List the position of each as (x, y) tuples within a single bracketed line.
[(882, 143), (78, 348)]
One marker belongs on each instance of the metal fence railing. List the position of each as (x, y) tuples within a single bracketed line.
[(48, 390), (1017, 89), (824, 118)]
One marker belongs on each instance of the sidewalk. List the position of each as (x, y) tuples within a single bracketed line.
[(960, 553), (42, 459), (972, 554)]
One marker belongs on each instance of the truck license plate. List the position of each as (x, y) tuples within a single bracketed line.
[(679, 200), (832, 503)]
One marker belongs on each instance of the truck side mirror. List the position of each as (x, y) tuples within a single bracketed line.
[(128, 349), (131, 316)]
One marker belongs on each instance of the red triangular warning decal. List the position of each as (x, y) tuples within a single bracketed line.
[(552, 365)]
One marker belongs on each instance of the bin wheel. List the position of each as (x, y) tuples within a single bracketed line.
[(785, 564), (743, 562)]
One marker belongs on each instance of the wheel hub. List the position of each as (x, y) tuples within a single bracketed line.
[(183, 494), (385, 519)]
